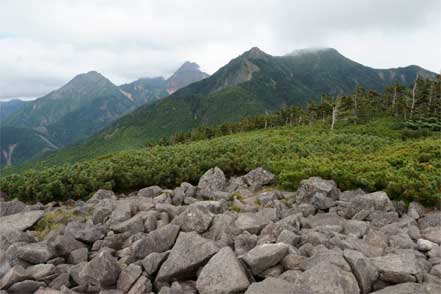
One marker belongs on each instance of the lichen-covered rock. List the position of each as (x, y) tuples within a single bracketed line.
[(259, 177), (213, 180)]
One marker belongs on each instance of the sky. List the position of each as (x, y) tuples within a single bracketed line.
[(45, 43)]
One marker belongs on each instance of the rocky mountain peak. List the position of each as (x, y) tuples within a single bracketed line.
[(187, 73), (255, 53)]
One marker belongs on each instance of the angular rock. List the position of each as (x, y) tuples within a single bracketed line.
[(397, 268), (84, 231), (150, 192), (222, 274), (326, 278), (142, 285), (259, 177), (309, 187), (159, 240), (321, 201), (356, 228), (61, 281), (133, 225), (128, 277), (213, 180), (35, 252), (152, 262), (101, 194), (244, 243), (371, 202), (265, 256), (78, 255), (254, 222), (432, 219), (364, 271), (194, 218), (41, 272), (189, 253), (65, 244), (103, 270), (11, 207), (19, 221)]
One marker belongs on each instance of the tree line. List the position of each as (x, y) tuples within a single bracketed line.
[(417, 106)]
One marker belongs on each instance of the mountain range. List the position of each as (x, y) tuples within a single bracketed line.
[(252, 83), (79, 109)]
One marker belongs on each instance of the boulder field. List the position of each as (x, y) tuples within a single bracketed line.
[(236, 235)]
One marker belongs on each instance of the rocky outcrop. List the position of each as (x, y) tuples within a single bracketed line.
[(234, 235)]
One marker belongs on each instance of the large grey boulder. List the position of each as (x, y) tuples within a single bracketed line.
[(194, 218), (213, 180), (309, 187), (35, 252), (159, 240), (272, 285), (259, 177), (364, 271), (11, 207), (377, 201), (20, 221), (128, 277), (84, 231), (398, 268), (103, 271), (326, 278), (265, 256), (222, 274), (189, 253)]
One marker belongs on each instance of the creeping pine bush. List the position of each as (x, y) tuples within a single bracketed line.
[(354, 156)]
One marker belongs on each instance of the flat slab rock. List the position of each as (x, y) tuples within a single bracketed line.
[(20, 221)]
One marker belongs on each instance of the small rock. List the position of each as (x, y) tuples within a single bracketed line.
[(35, 252), (153, 261), (194, 218), (25, 287), (84, 231), (271, 285)]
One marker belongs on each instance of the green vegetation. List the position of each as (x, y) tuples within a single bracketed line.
[(355, 156), (360, 141)]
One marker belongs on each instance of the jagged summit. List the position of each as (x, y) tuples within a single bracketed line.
[(255, 53), (188, 73)]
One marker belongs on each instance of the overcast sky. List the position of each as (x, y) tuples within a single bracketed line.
[(44, 43)]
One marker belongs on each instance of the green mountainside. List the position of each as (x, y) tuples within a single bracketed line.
[(9, 107), (81, 108), (251, 84)]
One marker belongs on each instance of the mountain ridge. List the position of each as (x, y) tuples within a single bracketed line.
[(250, 84)]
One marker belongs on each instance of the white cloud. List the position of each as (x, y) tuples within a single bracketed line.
[(44, 43)]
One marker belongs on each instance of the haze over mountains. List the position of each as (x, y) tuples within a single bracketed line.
[(254, 82), (82, 107)]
